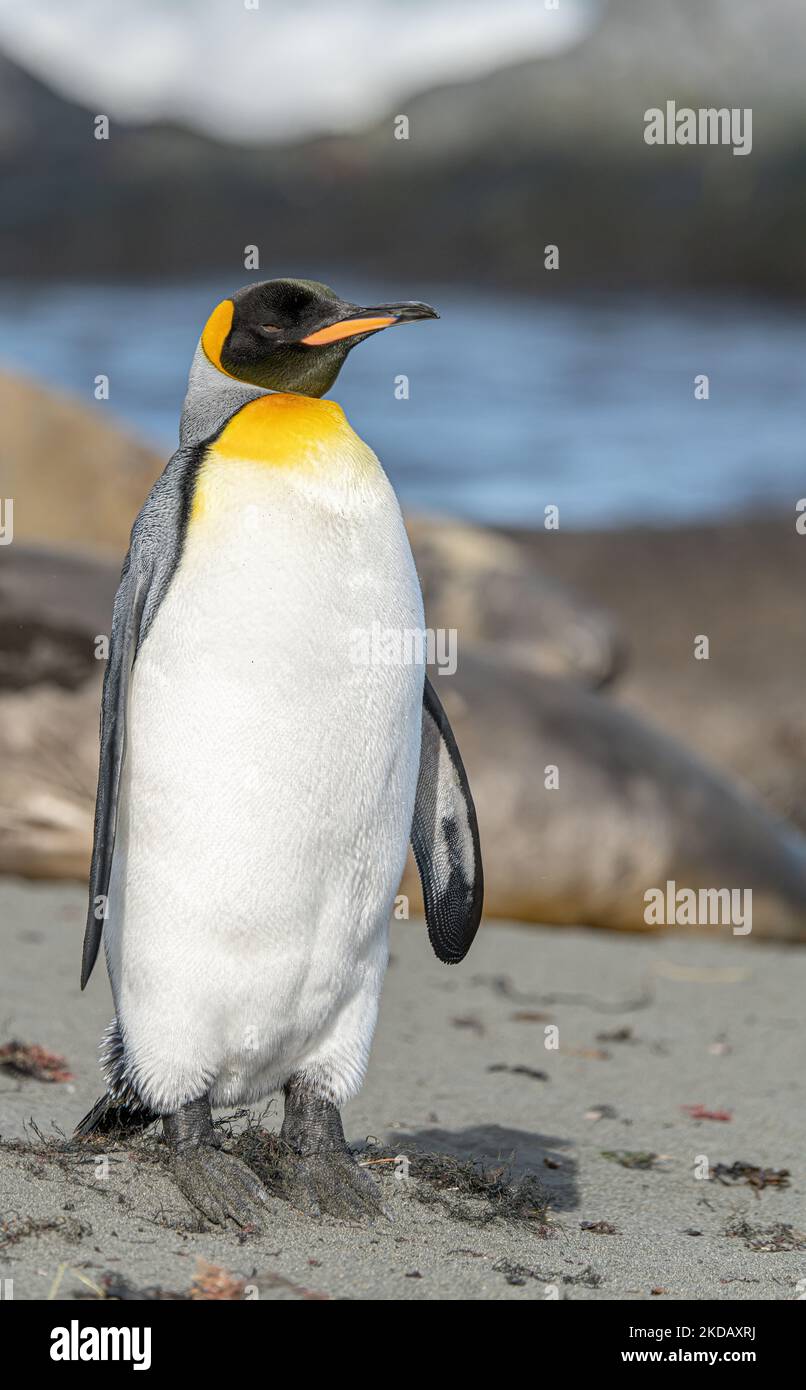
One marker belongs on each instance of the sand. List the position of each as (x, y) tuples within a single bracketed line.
[(714, 1021)]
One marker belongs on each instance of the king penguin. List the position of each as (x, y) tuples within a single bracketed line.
[(259, 779)]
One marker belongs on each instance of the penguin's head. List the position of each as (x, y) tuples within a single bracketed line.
[(294, 335)]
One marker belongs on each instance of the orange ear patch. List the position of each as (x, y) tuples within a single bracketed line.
[(216, 331), (347, 329)]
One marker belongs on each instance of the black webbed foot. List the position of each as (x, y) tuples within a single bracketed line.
[(320, 1174), (334, 1185), (220, 1186), (217, 1184)]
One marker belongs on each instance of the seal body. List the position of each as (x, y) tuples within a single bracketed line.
[(270, 775)]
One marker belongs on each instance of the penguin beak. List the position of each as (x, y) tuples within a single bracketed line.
[(358, 322)]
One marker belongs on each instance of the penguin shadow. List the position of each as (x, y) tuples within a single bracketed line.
[(544, 1156)]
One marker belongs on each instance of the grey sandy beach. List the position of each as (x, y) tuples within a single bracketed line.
[(647, 1026)]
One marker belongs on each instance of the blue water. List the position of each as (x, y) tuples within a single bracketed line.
[(587, 404)]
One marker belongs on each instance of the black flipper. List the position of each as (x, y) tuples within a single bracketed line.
[(154, 554), (445, 838), (129, 605)]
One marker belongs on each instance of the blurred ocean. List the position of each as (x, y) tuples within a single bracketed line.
[(586, 403)]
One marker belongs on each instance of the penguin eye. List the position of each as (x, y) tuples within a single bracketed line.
[(271, 328)]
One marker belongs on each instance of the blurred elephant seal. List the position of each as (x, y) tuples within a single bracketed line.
[(48, 771), (54, 614), (53, 606), (633, 810), (491, 591)]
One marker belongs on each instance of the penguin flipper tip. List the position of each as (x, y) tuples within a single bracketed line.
[(445, 838)]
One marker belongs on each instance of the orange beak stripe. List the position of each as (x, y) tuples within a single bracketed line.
[(347, 329)]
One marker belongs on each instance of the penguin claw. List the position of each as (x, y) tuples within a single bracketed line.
[(368, 1191), (332, 1184), (220, 1186)]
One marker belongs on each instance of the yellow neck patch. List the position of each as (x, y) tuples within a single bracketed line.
[(216, 331), (283, 431)]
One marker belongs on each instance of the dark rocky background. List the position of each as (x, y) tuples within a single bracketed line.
[(551, 151)]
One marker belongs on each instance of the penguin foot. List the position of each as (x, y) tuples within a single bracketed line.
[(217, 1184), (332, 1184), (220, 1186), (320, 1174)]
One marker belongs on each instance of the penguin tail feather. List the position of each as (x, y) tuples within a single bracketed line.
[(120, 1110), (111, 1116)]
